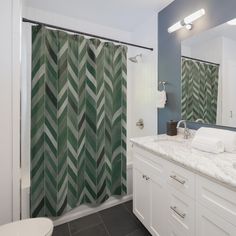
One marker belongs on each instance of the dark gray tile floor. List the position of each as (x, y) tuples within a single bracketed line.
[(115, 221)]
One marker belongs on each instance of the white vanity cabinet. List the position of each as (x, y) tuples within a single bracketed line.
[(173, 201)]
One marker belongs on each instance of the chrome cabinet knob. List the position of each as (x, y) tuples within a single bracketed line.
[(146, 177), (140, 123)]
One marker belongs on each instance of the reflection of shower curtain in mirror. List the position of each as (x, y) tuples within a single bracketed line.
[(199, 90)]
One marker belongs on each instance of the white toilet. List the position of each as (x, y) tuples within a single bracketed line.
[(29, 227)]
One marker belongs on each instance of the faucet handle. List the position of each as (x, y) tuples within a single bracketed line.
[(187, 133)]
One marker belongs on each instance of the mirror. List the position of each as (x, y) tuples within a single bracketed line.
[(208, 78)]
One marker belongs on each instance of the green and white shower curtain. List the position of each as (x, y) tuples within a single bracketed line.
[(199, 90), (78, 121)]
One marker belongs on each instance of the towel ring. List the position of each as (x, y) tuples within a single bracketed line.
[(163, 83)]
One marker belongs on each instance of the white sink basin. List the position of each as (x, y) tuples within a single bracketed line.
[(172, 143), (169, 141)]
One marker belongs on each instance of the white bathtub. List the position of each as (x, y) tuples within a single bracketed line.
[(80, 211)]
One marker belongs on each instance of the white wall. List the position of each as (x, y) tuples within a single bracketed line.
[(185, 51), (143, 86), (6, 112), (229, 82), (10, 109), (207, 50), (75, 24), (144, 78)]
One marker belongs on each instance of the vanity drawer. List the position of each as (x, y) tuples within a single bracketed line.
[(174, 230), (209, 223), (149, 157), (148, 168), (218, 199), (181, 213), (181, 180)]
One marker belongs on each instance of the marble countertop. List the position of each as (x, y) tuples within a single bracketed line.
[(220, 167)]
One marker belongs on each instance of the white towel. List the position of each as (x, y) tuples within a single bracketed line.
[(208, 144), (161, 99), (227, 137)]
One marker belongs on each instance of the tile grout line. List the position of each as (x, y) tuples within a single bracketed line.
[(126, 208), (132, 214), (104, 224), (86, 228), (132, 232), (100, 223)]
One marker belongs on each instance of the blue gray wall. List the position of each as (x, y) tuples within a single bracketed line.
[(169, 46)]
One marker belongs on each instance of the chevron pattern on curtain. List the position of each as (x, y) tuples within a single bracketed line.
[(78, 121), (199, 83)]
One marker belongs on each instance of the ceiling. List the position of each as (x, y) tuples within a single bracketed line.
[(121, 14)]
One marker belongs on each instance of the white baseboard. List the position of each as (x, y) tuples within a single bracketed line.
[(85, 210)]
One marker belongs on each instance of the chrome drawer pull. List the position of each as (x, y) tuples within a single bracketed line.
[(174, 177), (146, 177), (175, 209)]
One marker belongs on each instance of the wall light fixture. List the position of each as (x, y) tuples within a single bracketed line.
[(187, 22)]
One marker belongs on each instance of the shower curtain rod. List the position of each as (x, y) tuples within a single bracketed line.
[(84, 33), (195, 59)]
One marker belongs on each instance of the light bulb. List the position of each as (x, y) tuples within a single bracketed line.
[(232, 22), (196, 15), (175, 27), (187, 22)]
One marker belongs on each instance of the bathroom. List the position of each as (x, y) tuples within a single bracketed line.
[(118, 118)]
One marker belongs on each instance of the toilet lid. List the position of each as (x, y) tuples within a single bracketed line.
[(29, 227)]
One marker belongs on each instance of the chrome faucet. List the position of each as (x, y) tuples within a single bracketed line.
[(200, 120), (186, 130)]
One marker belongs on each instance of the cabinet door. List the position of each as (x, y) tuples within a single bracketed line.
[(140, 196), (157, 206), (209, 223)]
